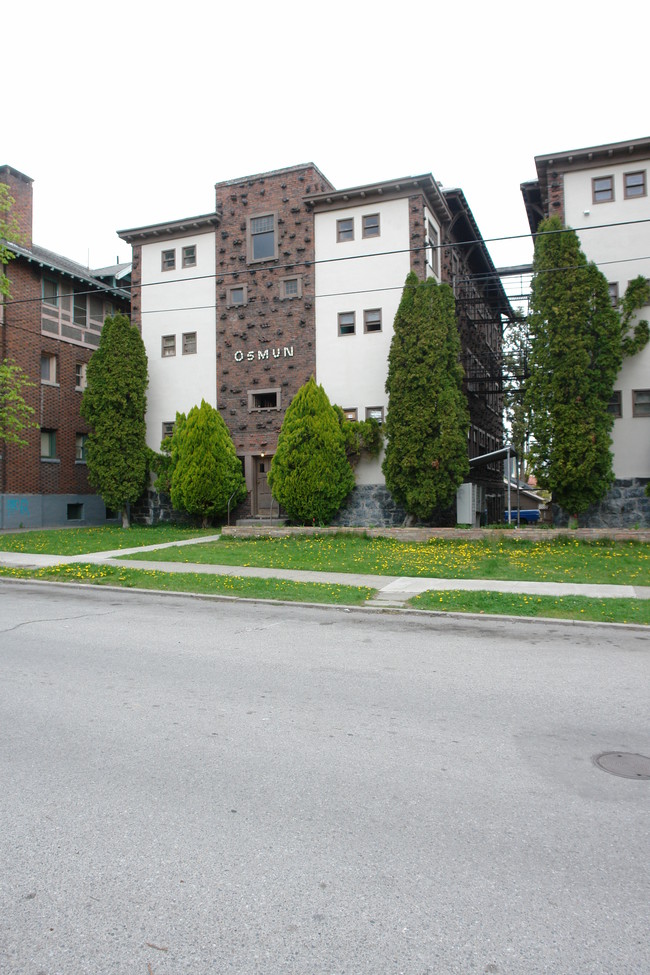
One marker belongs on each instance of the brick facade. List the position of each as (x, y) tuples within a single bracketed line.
[(268, 343), (34, 490)]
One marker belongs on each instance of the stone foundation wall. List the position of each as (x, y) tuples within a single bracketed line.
[(626, 505), (370, 505)]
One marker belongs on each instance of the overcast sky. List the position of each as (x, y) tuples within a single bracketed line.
[(128, 115)]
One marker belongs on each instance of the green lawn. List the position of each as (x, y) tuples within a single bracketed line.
[(557, 607), (77, 541), (558, 559), (196, 582)]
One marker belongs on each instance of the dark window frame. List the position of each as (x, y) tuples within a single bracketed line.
[(598, 194), (346, 328), (370, 229), (344, 233)]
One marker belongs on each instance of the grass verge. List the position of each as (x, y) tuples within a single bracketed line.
[(515, 604), (196, 582), (559, 559), (78, 541)]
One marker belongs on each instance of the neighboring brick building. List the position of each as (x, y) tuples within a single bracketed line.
[(50, 326), (602, 193), (307, 280)]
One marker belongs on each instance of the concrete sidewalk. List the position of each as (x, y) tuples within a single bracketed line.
[(390, 590)]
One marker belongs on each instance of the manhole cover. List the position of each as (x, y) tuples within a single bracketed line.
[(627, 764)]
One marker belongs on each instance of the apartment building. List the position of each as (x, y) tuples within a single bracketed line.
[(293, 278), (602, 193), (49, 326)]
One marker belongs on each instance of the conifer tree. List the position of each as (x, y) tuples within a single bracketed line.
[(206, 473), (575, 355), (427, 420), (114, 404), (310, 475)]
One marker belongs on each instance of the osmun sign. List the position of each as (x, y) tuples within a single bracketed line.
[(283, 352)]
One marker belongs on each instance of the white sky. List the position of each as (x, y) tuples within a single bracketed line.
[(125, 116)]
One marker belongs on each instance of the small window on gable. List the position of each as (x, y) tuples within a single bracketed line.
[(262, 238), (50, 292), (168, 345), (189, 343), (168, 260), (612, 287), (641, 402), (351, 414), (634, 185), (370, 225), (189, 256), (167, 429), (264, 399), (291, 287), (375, 413), (237, 295), (346, 323), (80, 381), (48, 368), (615, 405), (602, 188), (344, 229), (372, 320)]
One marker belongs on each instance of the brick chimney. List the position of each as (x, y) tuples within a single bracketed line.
[(20, 187)]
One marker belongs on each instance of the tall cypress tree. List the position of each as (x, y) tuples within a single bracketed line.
[(114, 404), (310, 474), (575, 356), (206, 473), (427, 420)]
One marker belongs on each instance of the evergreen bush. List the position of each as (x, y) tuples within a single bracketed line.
[(310, 475)]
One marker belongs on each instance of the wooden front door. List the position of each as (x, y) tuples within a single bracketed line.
[(263, 499)]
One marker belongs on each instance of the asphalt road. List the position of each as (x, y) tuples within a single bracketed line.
[(192, 786)]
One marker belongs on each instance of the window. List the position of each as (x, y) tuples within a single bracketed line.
[(264, 399), (80, 441), (370, 225), (372, 320), (641, 402), (80, 308), (189, 343), (48, 368), (612, 287), (75, 512), (237, 295), (291, 288), (615, 405), (48, 444), (50, 292), (168, 260), (189, 256), (375, 413), (602, 188), (345, 229), (634, 184), (80, 380), (262, 238), (168, 345), (167, 429), (351, 414), (433, 252), (346, 323)]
